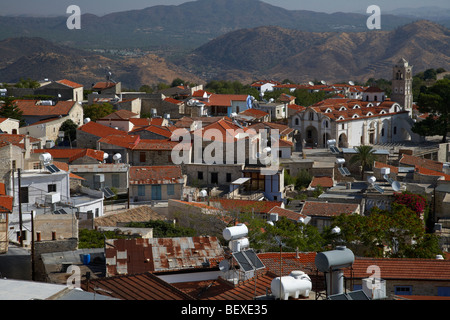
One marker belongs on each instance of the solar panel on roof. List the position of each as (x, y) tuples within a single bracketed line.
[(108, 193), (254, 259), (344, 171), (334, 150), (358, 295), (248, 260), (60, 211), (52, 168), (378, 188)]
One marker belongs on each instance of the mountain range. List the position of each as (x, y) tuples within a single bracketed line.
[(279, 53), (202, 40), (167, 29)]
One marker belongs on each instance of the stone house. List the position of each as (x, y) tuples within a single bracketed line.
[(154, 183)]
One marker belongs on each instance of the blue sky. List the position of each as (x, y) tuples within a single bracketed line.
[(102, 7)]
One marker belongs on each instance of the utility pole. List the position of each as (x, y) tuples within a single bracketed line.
[(20, 209), (33, 271)]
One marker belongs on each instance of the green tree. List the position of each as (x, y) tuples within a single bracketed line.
[(303, 179), (27, 83), (399, 229), (164, 229), (365, 156), (435, 101), (97, 111), (10, 110), (70, 129)]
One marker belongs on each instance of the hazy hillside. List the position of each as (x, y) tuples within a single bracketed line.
[(274, 52), (38, 59), (167, 29)]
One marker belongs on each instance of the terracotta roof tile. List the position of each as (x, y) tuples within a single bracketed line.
[(429, 172), (124, 141), (100, 130), (34, 108), (325, 182), (156, 175), (426, 163), (247, 205), (120, 115), (155, 144), (72, 154), (144, 286), (292, 215), (70, 84), (328, 209), (412, 269), (103, 85), (380, 165)]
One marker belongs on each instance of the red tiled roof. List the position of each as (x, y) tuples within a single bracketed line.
[(120, 115), (247, 205), (156, 175), (103, 85), (327, 209), (325, 182), (69, 83), (411, 269), (380, 165), (227, 129), (172, 100), (143, 286), (72, 154), (426, 163), (373, 89), (33, 108), (282, 128), (247, 289), (224, 100), (124, 141), (16, 139), (429, 172), (100, 130), (155, 144), (295, 107), (291, 261), (292, 215), (256, 113), (6, 204), (160, 130)]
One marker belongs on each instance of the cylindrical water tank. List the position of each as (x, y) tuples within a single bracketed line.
[(296, 284), (117, 156), (235, 232), (334, 259), (340, 160), (203, 193), (45, 157), (239, 244), (371, 179), (385, 171)]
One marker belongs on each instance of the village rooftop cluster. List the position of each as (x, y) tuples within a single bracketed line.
[(203, 160)]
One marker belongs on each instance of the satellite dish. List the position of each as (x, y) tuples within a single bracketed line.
[(311, 83), (87, 120), (351, 83), (323, 82), (396, 186)]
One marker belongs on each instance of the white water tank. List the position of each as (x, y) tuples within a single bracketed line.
[(235, 232), (239, 244), (340, 160), (295, 285), (385, 171), (371, 179), (45, 157)]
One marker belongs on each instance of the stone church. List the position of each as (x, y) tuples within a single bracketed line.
[(373, 119)]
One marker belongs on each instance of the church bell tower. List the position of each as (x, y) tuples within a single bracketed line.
[(402, 85)]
